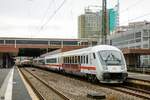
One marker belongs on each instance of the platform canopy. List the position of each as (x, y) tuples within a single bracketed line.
[(138, 51)]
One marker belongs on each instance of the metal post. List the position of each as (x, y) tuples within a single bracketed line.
[(4, 42), (62, 45), (104, 22), (15, 43)]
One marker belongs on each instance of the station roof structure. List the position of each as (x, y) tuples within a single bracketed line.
[(140, 51)]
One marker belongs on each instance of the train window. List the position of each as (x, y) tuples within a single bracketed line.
[(74, 59), (64, 59), (67, 59), (78, 59), (70, 60), (52, 60), (94, 56), (86, 59), (110, 57), (81, 60)]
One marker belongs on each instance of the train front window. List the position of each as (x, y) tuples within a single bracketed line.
[(110, 57)]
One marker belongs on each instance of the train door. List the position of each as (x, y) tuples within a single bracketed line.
[(93, 59), (95, 63)]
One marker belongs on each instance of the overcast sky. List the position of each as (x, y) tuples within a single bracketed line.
[(58, 18)]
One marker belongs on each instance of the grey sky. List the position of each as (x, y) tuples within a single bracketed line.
[(24, 18)]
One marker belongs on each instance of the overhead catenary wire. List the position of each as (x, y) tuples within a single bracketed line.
[(46, 12), (131, 6), (30, 3), (50, 18), (138, 17), (147, 14)]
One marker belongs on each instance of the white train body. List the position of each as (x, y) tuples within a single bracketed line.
[(106, 63)]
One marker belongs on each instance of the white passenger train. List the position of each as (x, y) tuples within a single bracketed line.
[(103, 62)]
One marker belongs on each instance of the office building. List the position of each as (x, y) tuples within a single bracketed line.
[(135, 35)]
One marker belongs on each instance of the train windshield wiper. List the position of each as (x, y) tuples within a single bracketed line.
[(112, 60)]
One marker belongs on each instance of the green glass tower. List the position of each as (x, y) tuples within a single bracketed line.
[(112, 19)]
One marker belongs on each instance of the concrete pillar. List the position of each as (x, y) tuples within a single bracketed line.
[(7, 62), (1, 60), (132, 60)]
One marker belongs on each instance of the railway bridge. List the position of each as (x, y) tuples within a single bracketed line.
[(10, 47)]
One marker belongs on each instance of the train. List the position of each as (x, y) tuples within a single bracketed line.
[(24, 63), (104, 63)]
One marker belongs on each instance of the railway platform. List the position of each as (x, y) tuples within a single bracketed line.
[(139, 76), (12, 86), (3, 74)]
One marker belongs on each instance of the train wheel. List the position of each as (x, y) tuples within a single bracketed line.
[(92, 78)]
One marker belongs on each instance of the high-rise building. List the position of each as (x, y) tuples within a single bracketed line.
[(90, 23), (81, 26), (112, 19)]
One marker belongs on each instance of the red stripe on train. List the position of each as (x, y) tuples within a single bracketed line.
[(80, 67), (88, 67)]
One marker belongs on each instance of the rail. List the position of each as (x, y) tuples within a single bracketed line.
[(43, 82), (131, 91)]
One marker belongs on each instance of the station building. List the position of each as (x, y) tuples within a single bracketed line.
[(135, 35)]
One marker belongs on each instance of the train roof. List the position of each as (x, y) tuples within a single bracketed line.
[(85, 51), (91, 49), (104, 47)]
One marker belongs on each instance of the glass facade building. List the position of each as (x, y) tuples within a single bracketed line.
[(112, 19)]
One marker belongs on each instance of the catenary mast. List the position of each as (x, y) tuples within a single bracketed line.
[(104, 22)]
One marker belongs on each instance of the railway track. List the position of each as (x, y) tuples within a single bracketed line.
[(132, 91), (142, 81), (138, 83), (125, 88), (140, 90), (39, 94)]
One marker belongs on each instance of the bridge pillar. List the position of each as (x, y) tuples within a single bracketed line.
[(6, 60), (7, 53), (132, 60)]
